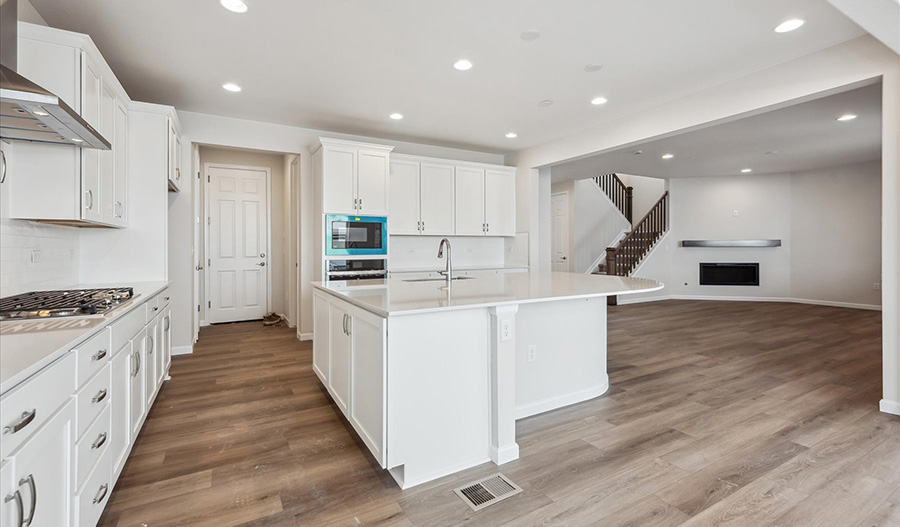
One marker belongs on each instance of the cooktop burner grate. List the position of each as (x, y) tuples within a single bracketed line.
[(68, 303)]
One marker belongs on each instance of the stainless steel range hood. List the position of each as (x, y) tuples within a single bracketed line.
[(28, 112)]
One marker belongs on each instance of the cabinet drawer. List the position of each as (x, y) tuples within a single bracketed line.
[(163, 299), (28, 406), (91, 400), (152, 308), (91, 446), (92, 355), (92, 498), (128, 326)]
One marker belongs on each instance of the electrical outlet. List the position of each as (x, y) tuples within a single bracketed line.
[(735, 213), (506, 330), (532, 353), (876, 286), (36, 256)]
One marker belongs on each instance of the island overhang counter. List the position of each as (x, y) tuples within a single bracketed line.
[(432, 376)]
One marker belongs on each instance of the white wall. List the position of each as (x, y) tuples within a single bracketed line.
[(828, 221), (420, 252), (647, 191)]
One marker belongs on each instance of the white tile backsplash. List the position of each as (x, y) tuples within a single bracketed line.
[(415, 252), (35, 256)]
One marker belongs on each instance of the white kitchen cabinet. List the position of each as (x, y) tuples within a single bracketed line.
[(66, 184), (6, 155), (500, 203), (173, 155), (9, 512), (321, 343), (151, 352), (436, 186), (469, 203), (351, 177), (136, 383), (164, 358), (339, 354), (120, 402), (42, 475), (404, 197), (368, 371)]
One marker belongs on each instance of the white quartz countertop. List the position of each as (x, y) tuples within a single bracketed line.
[(398, 296), (28, 346), (461, 268)]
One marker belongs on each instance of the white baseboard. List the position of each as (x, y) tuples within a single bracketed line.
[(203, 323), (889, 407), (182, 350), (553, 403), (304, 336), (505, 454), (629, 299)]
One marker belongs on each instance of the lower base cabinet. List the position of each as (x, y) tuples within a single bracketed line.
[(120, 424), (136, 383)]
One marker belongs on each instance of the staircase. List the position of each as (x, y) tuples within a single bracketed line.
[(624, 258)]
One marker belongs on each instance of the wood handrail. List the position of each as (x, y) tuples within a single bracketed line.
[(620, 194), (625, 257)]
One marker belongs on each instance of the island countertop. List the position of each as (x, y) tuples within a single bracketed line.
[(396, 296)]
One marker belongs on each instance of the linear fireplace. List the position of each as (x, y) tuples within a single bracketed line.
[(729, 273)]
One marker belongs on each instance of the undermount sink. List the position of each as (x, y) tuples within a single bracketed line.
[(439, 279)]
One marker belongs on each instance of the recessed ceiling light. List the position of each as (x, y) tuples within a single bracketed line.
[(591, 68), (462, 65), (232, 87), (746, 170), (512, 135), (235, 6), (545, 103), (396, 116), (848, 117), (531, 34), (637, 152), (77, 140), (668, 156), (596, 101), (789, 25), (41, 113)]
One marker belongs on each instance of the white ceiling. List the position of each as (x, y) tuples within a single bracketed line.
[(344, 65), (805, 136)]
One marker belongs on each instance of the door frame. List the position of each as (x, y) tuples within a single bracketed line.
[(206, 212), (568, 234)]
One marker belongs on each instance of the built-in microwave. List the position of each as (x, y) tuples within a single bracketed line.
[(355, 235)]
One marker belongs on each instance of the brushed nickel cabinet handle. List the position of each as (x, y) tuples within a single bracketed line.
[(90, 194), (25, 420), (150, 346), (17, 496), (33, 488), (167, 323), (99, 442), (99, 355), (3, 172), (99, 397), (101, 493)]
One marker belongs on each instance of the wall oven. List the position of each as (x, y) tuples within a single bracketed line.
[(356, 269), (355, 235)]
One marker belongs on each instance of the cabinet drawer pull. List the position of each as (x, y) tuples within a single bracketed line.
[(99, 355), (150, 346), (167, 325), (101, 493), (90, 194), (25, 420), (17, 496), (99, 397), (99, 442), (33, 488)]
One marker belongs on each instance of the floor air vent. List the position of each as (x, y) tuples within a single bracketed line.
[(487, 491)]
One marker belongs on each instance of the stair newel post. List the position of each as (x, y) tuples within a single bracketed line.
[(611, 270), (629, 195)]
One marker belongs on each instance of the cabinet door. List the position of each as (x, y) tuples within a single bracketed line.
[(436, 191), (500, 203), (90, 110), (150, 358), (9, 512), (136, 372), (170, 154), (120, 155), (165, 345), (321, 337), (372, 182), (367, 379), (120, 404), (339, 180), (177, 159), (42, 471), (469, 201), (404, 198), (106, 199), (339, 345)]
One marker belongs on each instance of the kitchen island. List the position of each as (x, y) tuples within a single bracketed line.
[(433, 376)]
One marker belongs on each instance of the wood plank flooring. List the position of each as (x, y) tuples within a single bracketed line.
[(719, 414)]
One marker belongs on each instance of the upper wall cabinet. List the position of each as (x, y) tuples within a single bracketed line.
[(65, 184), (351, 177), (438, 197), (173, 154)]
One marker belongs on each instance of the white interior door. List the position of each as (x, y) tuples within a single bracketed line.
[(559, 226), (238, 243)]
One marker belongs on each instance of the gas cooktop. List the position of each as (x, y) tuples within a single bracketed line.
[(68, 303)]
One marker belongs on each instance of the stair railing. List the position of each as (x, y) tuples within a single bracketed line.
[(623, 259), (620, 194)]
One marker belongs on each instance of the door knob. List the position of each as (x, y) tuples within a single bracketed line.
[(262, 255), (562, 257), (261, 264)]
